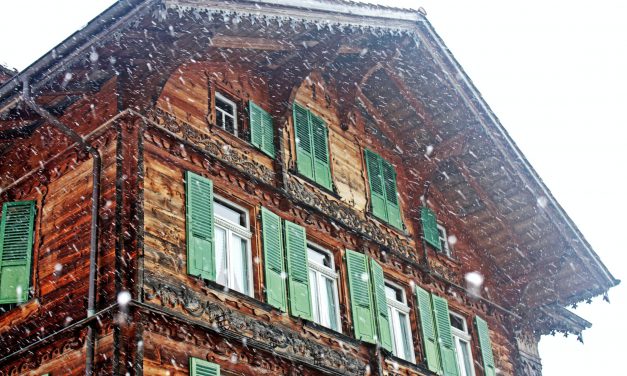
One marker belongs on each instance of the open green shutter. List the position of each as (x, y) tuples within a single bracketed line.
[(199, 367), (486, 346), (430, 227), (445, 338), (16, 246), (298, 275), (273, 259), (361, 296), (381, 307), (304, 142), (391, 194), (429, 339), (261, 129), (377, 190), (322, 170), (199, 225)]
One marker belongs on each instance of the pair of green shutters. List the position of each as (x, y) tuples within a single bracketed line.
[(383, 190), (368, 302), (312, 149), (261, 129), (285, 240), (16, 246), (438, 342)]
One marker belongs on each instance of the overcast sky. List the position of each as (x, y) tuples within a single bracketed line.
[(554, 72)]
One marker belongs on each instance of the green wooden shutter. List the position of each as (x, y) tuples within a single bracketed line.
[(304, 142), (322, 169), (361, 296), (16, 246), (381, 307), (273, 257), (430, 228), (261, 129), (445, 338), (375, 178), (298, 275), (429, 339), (199, 225), (391, 194), (199, 367), (486, 346)]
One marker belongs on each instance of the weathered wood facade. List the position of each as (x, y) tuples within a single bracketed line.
[(140, 85)]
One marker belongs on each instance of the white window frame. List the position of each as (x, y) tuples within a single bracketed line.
[(460, 337), (393, 308), (321, 272), (223, 114), (443, 238), (231, 229)]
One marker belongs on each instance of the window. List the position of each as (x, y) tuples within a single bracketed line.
[(217, 236), (232, 246), (430, 230), (444, 244), (383, 191), (323, 285), (226, 113), (16, 246), (199, 367), (398, 313), (312, 150), (461, 339)]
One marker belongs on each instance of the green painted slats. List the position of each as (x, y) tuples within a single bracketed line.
[(16, 246), (273, 257), (322, 169), (391, 194), (199, 226), (304, 142), (377, 191), (381, 308), (445, 338), (298, 275), (199, 367), (429, 339), (486, 346), (261, 129), (430, 227), (361, 296)]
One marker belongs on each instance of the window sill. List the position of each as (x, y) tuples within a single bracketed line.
[(448, 260), (315, 184), (330, 332), (233, 139), (214, 286), (420, 368), (382, 222)]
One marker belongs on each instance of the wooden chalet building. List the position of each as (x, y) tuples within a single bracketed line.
[(205, 187)]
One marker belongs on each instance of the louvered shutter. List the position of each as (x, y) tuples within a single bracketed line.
[(391, 195), (445, 338), (429, 339), (486, 346), (377, 190), (199, 367), (361, 296), (298, 275), (430, 228), (381, 308), (261, 129), (16, 246), (304, 142), (322, 170), (273, 259), (199, 225)]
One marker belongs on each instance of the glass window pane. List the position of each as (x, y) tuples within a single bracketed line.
[(318, 257), (239, 264), (406, 337), (394, 293), (221, 260), (228, 213), (465, 361), (313, 281), (458, 323), (333, 324), (394, 329)]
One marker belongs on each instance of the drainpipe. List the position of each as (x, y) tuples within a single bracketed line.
[(95, 208)]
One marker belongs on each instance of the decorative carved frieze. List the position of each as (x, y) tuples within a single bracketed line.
[(268, 335)]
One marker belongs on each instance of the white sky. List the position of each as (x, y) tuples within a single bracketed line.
[(553, 71)]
